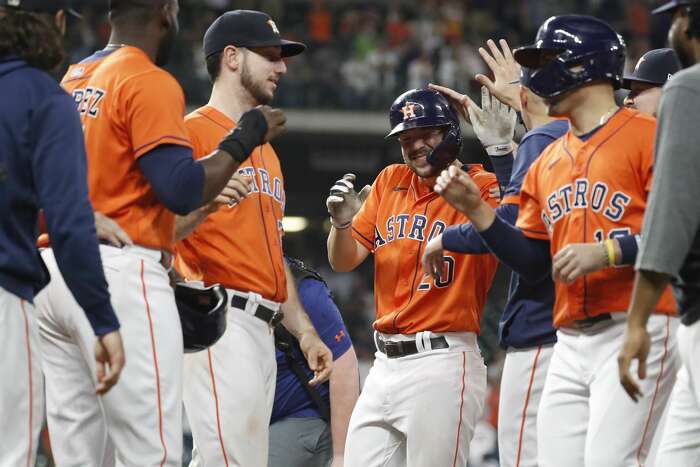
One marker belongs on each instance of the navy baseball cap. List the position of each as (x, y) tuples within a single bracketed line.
[(672, 5), (655, 67), (41, 6), (247, 28)]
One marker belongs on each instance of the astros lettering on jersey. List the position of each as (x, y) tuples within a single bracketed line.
[(589, 191), (400, 215)]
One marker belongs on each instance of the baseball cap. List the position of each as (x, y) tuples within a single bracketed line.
[(247, 28), (655, 67), (41, 6), (672, 5)]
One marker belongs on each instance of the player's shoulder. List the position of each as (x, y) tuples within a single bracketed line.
[(688, 79), (394, 173), (130, 66), (554, 130)]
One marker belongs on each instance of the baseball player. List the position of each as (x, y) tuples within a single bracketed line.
[(426, 389), (140, 172), (525, 328), (590, 185), (42, 166), (670, 248), (302, 431), (652, 71), (229, 389)]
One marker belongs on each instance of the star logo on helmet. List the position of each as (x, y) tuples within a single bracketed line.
[(411, 110), (639, 63), (273, 26)]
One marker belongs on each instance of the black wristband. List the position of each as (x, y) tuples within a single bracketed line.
[(249, 134)]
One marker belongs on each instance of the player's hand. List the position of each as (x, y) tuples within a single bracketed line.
[(275, 119), (110, 359), (235, 191), (460, 102), (344, 202), (493, 123), (318, 357), (506, 73), (109, 231), (432, 257), (577, 259), (458, 189), (636, 346)]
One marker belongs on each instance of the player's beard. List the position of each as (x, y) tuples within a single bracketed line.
[(256, 90), (166, 46), (683, 50)]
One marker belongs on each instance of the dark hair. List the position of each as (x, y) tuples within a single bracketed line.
[(693, 31), (214, 66), (31, 36)]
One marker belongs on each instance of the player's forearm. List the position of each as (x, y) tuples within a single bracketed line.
[(343, 250), (648, 287), (295, 318), (219, 167), (344, 391), (185, 225)]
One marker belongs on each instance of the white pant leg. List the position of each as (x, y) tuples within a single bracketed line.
[(680, 443), (562, 417), (522, 382), (21, 382), (427, 405), (371, 438), (144, 410), (620, 431), (76, 423), (229, 392)]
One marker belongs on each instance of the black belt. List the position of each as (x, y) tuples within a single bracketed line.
[(166, 258), (397, 349), (270, 316), (587, 323)]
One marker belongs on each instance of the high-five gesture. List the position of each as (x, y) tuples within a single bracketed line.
[(494, 124), (506, 73)]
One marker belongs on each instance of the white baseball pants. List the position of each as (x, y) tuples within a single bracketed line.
[(680, 442), (229, 391), (21, 382), (139, 421), (585, 417), (419, 410), (522, 382)]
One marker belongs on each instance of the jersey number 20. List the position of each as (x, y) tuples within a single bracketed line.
[(446, 275)]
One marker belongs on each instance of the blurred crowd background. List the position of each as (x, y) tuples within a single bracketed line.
[(361, 55)]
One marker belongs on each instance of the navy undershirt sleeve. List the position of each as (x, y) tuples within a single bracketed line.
[(176, 178), (60, 170), (526, 256), (464, 238), (503, 167), (629, 246)]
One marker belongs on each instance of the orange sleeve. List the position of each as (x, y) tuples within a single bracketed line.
[(149, 122), (530, 213), (365, 221), (488, 185)]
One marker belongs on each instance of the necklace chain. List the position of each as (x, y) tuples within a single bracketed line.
[(607, 115)]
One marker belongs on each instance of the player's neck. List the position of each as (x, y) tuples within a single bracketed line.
[(229, 102), (593, 107), (149, 47)]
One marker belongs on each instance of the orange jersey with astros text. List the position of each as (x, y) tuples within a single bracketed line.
[(588, 191), (400, 216), (238, 247), (128, 107)]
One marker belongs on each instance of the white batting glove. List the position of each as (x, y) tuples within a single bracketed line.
[(344, 202), (494, 124)]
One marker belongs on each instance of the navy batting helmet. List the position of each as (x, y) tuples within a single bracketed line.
[(202, 314), (570, 51), (421, 108)]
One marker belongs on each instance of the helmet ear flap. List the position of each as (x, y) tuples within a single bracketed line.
[(448, 150)]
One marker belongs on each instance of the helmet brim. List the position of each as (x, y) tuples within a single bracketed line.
[(628, 80), (403, 126), (534, 57)]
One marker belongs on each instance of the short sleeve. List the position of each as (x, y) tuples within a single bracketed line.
[(324, 315), (365, 221), (530, 213), (488, 186), (154, 108)]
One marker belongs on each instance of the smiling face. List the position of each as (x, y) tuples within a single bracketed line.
[(416, 145), (261, 70), (644, 97)]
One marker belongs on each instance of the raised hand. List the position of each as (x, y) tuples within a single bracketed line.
[(494, 124), (506, 73), (344, 202)]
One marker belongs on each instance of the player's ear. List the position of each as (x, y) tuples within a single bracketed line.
[(231, 57), (60, 21)]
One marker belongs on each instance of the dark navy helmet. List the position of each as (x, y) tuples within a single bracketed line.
[(570, 51), (421, 108), (202, 313)]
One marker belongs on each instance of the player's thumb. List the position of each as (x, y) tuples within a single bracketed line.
[(364, 193)]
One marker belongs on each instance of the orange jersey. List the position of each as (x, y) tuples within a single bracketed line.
[(588, 191), (128, 107), (239, 247), (399, 217)]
